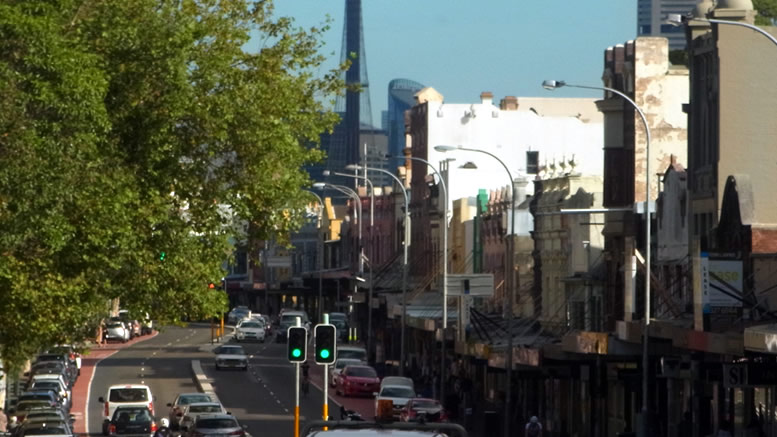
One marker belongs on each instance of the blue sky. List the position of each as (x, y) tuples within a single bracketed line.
[(462, 48)]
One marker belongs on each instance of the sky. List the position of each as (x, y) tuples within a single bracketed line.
[(462, 48)]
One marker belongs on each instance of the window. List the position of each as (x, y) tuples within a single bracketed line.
[(532, 162)]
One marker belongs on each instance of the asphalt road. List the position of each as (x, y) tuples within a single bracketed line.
[(261, 398), (163, 363)]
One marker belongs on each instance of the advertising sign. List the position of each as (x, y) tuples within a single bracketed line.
[(721, 282)]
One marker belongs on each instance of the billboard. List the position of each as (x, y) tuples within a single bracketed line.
[(721, 284)]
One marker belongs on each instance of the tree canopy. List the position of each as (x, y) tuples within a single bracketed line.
[(132, 128), (767, 12)]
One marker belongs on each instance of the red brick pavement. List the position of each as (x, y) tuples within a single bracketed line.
[(84, 382)]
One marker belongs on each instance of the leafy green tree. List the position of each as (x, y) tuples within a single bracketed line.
[(138, 127), (767, 12)]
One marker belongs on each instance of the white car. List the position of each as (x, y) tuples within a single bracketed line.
[(334, 371), (125, 395), (116, 330), (398, 394), (398, 380), (191, 411), (250, 330), (230, 357)]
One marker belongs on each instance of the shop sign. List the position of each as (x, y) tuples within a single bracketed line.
[(739, 375), (721, 285)]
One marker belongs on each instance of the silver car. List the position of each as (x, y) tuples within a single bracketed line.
[(216, 425), (191, 411), (117, 331)]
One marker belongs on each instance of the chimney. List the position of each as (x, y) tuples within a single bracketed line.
[(509, 103), (486, 97)]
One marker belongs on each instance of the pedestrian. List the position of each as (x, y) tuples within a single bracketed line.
[(3, 421), (534, 427), (164, 428)]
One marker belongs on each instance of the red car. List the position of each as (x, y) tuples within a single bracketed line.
[(430, 410), (358, 380)]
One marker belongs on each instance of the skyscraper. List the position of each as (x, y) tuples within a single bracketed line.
[(346, 144), (401, 97), (652, 15)]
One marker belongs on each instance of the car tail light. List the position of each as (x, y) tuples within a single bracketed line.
[(111, 429), (412, 414), (151, 407), (107, 410), (443, 416), (153, 426), (238, 432)]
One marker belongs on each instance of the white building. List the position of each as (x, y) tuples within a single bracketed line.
[(545, 136)]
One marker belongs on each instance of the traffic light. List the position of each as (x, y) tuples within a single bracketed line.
[(326, 344), (162, 255), (297, 342)]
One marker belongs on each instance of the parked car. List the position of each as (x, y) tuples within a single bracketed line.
[(116, 330), (59, 378), (212, 425), (54, 386), (399, 396), (134, 327), (146, 325), (49, 415), (45, 395), (250, 330), (69, 374), (357, 380), (191, 411), (428, 410), (176, 407), (72, 353), (230, 357), (334, 371), (134, 421), (125, 395), (21, 408), (40, 429)]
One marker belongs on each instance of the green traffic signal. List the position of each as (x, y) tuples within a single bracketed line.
[(326, 343), (162, 256), (297, 340)]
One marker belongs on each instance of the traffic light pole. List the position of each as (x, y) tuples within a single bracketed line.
[(296, 391), (326, 379)]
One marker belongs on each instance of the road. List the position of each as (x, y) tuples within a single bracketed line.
[(262, 398)]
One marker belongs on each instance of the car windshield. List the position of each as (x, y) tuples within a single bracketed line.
[(45, 385), (217, 423), (45, 430), (49, 365), (426, 404), (28, 405), (44, 414), (115, 325), (35, 396), (342, 363), (351, 353), (231, 350), (128, 395), (362, 372), (250, 325), (204, 409), (51, 357), (132, 415), (292, 318), (190, 399), (397, 392)]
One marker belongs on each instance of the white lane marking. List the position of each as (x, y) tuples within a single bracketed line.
[(89, 390)]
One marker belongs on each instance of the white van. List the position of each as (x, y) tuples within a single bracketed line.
[(125, 395)]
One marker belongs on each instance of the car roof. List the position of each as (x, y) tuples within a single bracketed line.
[(215, 416), (119, 386), (200, 404)]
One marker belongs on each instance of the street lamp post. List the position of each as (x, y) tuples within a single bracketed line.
[(553, 84), (444, 269), (355, 196), (406, 242), (320, 244), (370, 335), (510, 267), (678, 20)]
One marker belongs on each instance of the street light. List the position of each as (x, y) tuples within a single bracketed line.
[(320, 252), (553, 84), (406, 242), (679, 20), (444, 265), (510, 264), (355, 196), (372, 252)]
